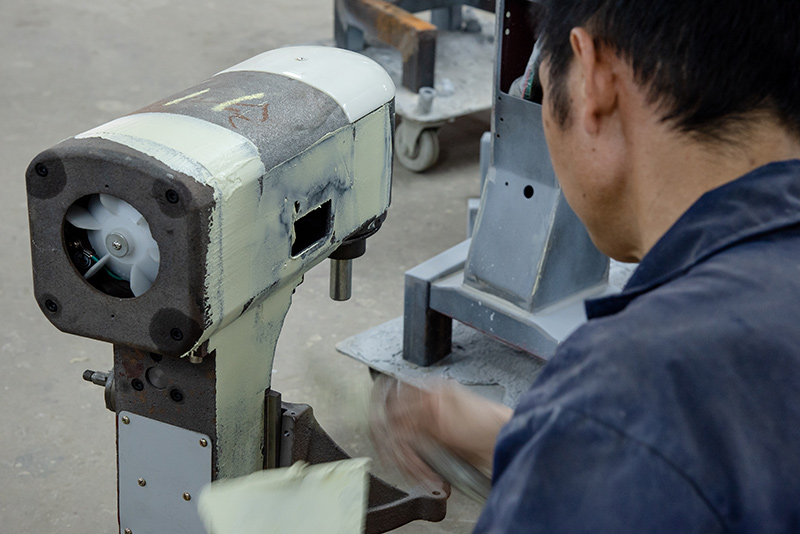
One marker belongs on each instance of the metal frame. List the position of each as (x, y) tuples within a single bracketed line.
[(530, 263)]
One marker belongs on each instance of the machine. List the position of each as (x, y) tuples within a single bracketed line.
[(179, 233), (526, 268)]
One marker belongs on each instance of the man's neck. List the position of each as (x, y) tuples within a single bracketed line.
[(676, 170)]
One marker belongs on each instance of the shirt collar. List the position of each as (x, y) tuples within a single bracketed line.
[(760, 202)]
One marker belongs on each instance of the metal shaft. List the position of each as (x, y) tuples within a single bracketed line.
[(341, 279)]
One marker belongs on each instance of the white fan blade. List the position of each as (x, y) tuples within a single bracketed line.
[(111, 203), (139, 281), (97, 266), (81, 218), (154, 255)]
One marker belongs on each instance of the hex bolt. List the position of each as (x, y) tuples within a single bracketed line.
[(172, 196), (142, 482), (187, 497), (204, 442), (41, 169), (126, 420)]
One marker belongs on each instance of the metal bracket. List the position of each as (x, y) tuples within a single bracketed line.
[(302, 438)]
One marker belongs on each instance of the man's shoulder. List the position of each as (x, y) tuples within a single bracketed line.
[(703, 372)]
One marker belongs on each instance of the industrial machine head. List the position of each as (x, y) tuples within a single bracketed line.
[(160, 228)]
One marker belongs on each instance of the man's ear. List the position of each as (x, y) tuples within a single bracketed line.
[(596, 81)]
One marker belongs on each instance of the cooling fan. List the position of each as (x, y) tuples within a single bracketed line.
[(111, 245)]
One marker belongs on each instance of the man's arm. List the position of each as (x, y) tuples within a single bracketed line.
[(405, 418)]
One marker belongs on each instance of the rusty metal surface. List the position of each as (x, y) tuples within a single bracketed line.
[(302, 438), (413, 37), (148, 384)]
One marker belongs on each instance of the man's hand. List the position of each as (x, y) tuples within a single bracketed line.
[(406, 422)]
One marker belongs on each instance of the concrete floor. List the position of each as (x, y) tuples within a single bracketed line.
[(69, 65)]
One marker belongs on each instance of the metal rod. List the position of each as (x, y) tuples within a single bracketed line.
[(341, 279)]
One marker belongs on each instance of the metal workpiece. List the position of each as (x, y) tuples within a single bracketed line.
[(443, 69), (393, 23), (388, 507)]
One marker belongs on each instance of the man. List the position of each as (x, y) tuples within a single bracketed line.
[(674, 129)]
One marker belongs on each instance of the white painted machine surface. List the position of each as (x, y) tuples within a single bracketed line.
[(179, 233)]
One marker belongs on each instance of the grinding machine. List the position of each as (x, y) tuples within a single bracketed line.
[(179, 233)]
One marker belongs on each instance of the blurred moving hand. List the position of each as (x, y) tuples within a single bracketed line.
[(409, 424)]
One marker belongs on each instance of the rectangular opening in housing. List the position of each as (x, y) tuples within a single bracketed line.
[(311, 228)]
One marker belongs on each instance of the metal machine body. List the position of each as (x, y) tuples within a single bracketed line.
[(179, 233), (522, 276)]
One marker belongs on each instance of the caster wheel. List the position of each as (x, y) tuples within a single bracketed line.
[(418, 154)]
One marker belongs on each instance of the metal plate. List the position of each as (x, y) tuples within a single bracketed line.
[(172, 463)]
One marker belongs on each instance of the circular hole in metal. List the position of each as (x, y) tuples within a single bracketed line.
[(528, 191), (176, 395), (137, 384), (110, 244), (51, 306)]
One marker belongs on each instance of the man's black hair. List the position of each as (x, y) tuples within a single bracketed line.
[(708, 64)]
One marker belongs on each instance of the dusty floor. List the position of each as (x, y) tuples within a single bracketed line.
[(69, 65)]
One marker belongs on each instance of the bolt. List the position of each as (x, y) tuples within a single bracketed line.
[(137, 384), (41, 169), (172, 196), (126, 420), (117, 245), (204, 442), (176, 334), (187, 497), (128, 531), (176, 395), (142, 482), (51, 306)]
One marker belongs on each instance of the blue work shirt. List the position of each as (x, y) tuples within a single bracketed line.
[(676, 407)]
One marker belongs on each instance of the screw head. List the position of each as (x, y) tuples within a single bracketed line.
[(204, 442), (128, 531), (172, 196), (301, 58), (117, 245), (187, 497), (126, 420), (142, 482), (137, 384), (51, 306), (176, 334), (176, 395), (41, 169)]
